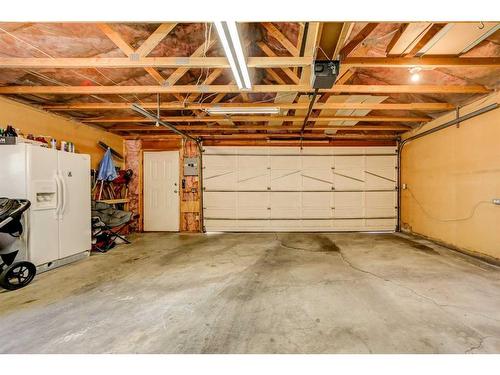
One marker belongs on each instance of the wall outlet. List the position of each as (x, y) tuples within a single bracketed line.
[(404, 186), (496, 201)]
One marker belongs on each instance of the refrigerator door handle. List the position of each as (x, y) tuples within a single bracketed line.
[(58, 194), (64, 195)]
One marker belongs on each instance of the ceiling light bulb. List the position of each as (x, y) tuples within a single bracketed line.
[(157, 124), (415, 73)]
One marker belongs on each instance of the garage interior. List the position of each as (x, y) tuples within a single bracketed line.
[(269, 215)]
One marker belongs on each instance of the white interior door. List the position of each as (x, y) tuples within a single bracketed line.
[(161, 191), (74, 217)]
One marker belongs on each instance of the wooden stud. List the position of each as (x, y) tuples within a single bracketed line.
[(357, 40), (284, 41)]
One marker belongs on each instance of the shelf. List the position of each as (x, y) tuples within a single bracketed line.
[(115, 201)]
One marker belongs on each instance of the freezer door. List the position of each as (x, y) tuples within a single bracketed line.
[(74, 214), (42, 223), (13, 171)]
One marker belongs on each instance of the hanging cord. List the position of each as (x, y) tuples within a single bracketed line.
[(311, 103), (465, 218), (158, 109)]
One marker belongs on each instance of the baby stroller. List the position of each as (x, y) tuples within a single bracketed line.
[(13, 275)]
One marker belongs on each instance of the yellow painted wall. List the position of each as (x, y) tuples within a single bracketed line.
[(38, 122), (454, 174)]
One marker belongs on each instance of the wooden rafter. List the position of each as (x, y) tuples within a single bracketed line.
[(283, 106), (395, 38), (275, 76), (367, 89), (250, 118), (154, 39), (179, 72), (209, 79), (344, 35), (144, 49), (281, 136), (269, 52), (357, 40), (431, 32), (278, 35), (195, 61), (146, 62), (128, 128)]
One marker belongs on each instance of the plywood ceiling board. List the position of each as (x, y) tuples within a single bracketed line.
[(459, 36), (409, 38), (357, 112)]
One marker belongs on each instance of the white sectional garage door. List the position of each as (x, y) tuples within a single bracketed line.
[(288, 189)]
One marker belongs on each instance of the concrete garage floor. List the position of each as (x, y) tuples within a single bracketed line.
[(260, 293)]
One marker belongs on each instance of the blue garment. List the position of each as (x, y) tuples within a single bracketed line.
[(107, 170)]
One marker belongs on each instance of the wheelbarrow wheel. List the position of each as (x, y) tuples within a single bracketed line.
[(17, 275)]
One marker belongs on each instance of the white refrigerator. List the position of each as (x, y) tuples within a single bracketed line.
[(57, 225)]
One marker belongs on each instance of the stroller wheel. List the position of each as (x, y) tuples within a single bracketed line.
[(17, 275)]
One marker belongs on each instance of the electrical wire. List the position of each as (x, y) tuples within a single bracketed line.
[(427, 213)]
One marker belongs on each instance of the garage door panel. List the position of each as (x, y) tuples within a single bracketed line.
[(317, 225), (221, 213), (220, 205), (219, 199), (286, 179), (220, 179), (253, 225), (317, 179), (380, 224), (380, 179), (285, 205), (253, 205), (220, 225), (317, 205), (317, 162), (253, 179), (380, 172), (219, 162), (251, 161), (285, 162), (288, 189), (287, 225), (380, 204), (350, 225), (349, 173), (348, 204)]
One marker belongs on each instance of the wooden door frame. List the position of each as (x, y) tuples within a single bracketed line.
[(141, 183)]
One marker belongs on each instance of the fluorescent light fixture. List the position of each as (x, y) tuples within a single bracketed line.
[(480, 39), (230, 39), (243, 110)]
